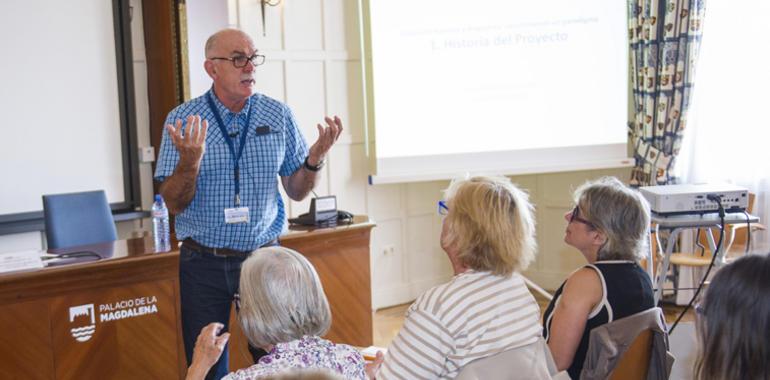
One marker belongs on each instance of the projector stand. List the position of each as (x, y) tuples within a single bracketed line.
[(678, 223)]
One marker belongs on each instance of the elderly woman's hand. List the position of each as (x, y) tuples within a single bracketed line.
[(372, 368), (208, 349)]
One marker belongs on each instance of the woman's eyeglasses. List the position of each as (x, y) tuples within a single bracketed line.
[(575, 217), (442, 208), (700, 310)]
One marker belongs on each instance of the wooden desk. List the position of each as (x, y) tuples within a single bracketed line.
[(132, 296), (116, 318)]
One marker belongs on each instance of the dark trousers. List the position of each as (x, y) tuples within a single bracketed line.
[(208, 285)]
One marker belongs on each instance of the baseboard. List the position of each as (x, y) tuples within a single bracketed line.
[(391, 296)]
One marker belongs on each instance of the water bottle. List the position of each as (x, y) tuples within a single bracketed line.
[(160, 230)]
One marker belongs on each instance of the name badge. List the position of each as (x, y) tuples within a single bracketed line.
[(237, 215)]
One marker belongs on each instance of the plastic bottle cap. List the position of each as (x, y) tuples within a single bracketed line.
[(158, 198)]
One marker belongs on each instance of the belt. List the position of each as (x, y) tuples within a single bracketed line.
[(221, 252)]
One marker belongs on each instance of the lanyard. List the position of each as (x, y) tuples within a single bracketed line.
[(236, 156)]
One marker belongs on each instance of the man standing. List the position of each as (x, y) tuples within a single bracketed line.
[(222, 183)]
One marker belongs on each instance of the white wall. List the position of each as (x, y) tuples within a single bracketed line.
[(204, 17), (71, 140), (314, 65), (36, 240)]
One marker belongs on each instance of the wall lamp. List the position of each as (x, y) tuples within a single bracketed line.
[(265, 3)]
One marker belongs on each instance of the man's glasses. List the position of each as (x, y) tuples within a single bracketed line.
[(575, 217), (240, 61), (442, 208)]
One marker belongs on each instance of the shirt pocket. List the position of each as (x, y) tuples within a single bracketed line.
[(264, 152)]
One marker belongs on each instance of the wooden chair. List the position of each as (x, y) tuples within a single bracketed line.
[(739, 233), (633, 347), (636, 360), (735, 242)]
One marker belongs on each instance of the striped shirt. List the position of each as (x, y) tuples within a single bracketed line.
[(474, 315), (274, 147)]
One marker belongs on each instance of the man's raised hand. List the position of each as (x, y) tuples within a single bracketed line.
[(192, 144), (327, 136)]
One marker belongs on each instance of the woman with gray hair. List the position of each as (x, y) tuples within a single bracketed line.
[(283, 310), (609, 225), (486, 309)]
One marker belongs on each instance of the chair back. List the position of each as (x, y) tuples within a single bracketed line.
[(736, 235), (633, 347), (78, 219), (740, 235), (533, 361), (635, 361)]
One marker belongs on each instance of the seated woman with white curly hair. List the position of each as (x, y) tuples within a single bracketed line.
[(283, 310), (486, 309)]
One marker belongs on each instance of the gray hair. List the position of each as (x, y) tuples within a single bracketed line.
[(282, 298), (621, 213)]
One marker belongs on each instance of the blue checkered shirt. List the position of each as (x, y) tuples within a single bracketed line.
[(279, 151)]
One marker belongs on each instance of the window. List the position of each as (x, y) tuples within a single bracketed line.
[(730, 116)]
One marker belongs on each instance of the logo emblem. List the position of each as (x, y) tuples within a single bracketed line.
[(83, 313)]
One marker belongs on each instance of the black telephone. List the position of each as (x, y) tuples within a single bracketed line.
[(323, 212)]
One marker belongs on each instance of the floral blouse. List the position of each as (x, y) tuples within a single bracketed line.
[(307, 352)]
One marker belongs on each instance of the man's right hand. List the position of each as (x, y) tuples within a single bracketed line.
[(179, 188), (192, 144)]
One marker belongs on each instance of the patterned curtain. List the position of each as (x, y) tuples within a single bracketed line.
[(664, 41)]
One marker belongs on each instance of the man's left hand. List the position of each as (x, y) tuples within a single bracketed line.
[(327, 136)]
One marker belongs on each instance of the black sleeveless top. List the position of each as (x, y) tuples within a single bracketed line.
[(626, 290)]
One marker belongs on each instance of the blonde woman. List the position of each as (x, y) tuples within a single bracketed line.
[(488, 234), (283, 310), (608, 225)]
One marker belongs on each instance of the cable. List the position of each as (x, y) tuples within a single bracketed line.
[(72, 255), (747, 249), (718, 200), (698, 243)]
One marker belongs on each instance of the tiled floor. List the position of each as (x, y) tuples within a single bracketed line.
[(388, 321)]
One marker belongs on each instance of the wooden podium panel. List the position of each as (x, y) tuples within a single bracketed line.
[(115, 318), (342, 262), (25, 343), (127, 333)]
